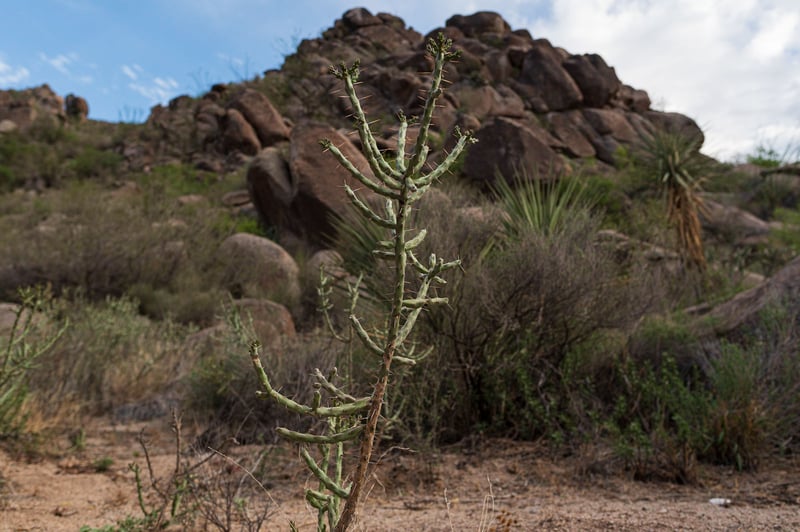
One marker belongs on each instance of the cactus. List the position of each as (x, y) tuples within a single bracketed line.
[(400, 183)]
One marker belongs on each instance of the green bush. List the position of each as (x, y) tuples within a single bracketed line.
[(659, 421), (501, 360), (93, 162)]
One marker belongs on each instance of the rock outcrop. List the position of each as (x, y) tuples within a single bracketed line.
[(26, 107), (728, 317)]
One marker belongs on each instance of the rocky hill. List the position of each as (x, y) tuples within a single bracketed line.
[(536, 108)]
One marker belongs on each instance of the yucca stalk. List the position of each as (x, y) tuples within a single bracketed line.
[(676, 160), (400, 184)]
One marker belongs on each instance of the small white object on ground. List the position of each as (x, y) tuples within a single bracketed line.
[(720, 502)]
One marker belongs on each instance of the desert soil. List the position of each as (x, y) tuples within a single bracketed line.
[(495, 485)]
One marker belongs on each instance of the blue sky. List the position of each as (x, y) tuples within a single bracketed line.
[(732, 65)]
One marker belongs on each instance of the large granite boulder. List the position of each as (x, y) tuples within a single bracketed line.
[(545, 77), (266, 121), (510, 148), (255, 266), (320, 179), (238, 134), (597, 81)]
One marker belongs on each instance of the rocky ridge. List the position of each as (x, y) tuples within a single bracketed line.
[(537, 109)]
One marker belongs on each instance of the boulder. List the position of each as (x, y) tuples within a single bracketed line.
[(611, 122), (732, 223), (238, 134), (360, 17), (635, 100), (568, 127), (510, 148), (271, 187), (76, 107), (255, 266), (744, 308), (25, 107), (597, 81), (543, 72), (676, 123), (208, 117), (479, 23), (262, 116), (320, 179), (272, 321), (499, 66), (7, 126)]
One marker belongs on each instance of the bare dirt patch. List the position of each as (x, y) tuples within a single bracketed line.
[(497, 485)]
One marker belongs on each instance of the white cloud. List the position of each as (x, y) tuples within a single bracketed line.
[(10, 75), (158, 90), (60, 62), (232, 61), (130, 72), (65, 63)]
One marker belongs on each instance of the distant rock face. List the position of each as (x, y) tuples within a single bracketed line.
[(76, 107), (262, 116), (23, 108)]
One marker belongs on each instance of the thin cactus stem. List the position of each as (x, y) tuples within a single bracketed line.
[(322, 476), (347, 435), (321, 411)]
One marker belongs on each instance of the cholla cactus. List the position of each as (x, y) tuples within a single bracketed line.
[(400, 184)]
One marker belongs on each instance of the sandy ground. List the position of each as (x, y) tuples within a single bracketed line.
[(497, 486)]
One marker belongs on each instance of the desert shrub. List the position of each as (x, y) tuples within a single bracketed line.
[(32, 333), (93, 162), (85, 238), (109, 356), (766, 368), (668, 336), (724, 401), (501, 358), (658, 422)]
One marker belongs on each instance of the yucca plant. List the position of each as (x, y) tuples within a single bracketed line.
[(400, 183), (676, 160), (539, 204)]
